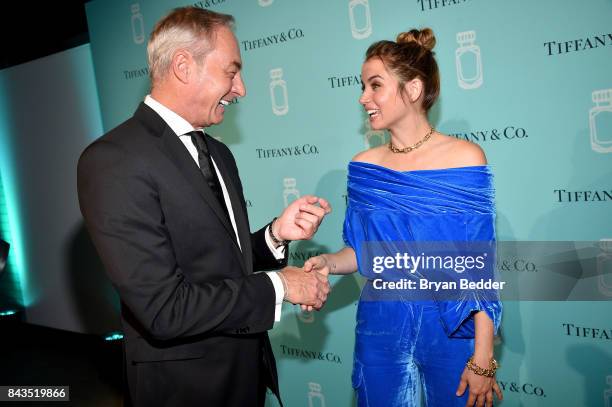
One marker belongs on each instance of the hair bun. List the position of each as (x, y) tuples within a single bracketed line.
[(424, 38)]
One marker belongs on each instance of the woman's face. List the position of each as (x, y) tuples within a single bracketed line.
[(381, 97)]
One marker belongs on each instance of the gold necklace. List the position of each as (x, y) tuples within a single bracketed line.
[(412, 147)]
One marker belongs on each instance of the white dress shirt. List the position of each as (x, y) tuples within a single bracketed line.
[(181, 126)]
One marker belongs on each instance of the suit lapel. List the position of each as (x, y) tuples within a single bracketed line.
[(173, 148), (178, 154), (240, 216)]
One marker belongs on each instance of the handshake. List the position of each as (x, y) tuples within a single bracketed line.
[(307, 286)]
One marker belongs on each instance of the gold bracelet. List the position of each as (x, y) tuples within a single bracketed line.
[(490, 372)]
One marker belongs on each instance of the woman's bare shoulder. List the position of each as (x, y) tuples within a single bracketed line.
[(462, 153), (371, 155)]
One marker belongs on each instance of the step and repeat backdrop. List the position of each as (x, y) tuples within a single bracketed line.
[(530, 82)]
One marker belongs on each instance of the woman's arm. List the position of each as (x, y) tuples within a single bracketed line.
[(483, 339), (481, 388), (341, 262)]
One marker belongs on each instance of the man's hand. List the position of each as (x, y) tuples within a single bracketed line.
[(318, 264), (301, 219), (310, 289)]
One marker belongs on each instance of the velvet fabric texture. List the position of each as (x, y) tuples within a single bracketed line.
[(413, 352)]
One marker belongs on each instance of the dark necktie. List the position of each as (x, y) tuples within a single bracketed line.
[(207, 167)]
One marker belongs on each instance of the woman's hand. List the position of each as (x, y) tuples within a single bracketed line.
[(481, 388), (318, 264)]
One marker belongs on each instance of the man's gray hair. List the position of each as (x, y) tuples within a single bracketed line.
[(189, 28)]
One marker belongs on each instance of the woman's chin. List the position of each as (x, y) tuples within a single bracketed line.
[(376, 124)]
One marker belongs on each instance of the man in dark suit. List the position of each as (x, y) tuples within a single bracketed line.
[(163, 203)]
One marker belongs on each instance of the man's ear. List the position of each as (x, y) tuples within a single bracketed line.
[(414, 89), (182, 65)]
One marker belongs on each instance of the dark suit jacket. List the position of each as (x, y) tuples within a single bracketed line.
[(194, 314)]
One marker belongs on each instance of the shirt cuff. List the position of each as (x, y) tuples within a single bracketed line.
[(278, 252), (280, 294)]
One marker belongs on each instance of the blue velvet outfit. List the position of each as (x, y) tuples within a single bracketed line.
[(413, 352)]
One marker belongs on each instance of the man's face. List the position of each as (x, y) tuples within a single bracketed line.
[(218, 80)]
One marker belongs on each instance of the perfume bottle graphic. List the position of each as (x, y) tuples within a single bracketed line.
[(600, 121), (138, 34), (265, 3), (278, 92), (468, 61), (361, 19), (604, 267), (290, 193), (374, 138), (608, 392), (315, 397)]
